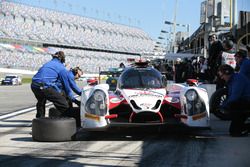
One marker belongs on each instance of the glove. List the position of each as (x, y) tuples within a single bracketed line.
[(77, 102)]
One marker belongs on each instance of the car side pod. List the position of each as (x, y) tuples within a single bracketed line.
[(53, 129)]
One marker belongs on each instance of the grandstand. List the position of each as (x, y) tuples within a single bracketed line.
[(28, 35)]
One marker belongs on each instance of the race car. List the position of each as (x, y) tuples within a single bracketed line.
[(142, 97), (12, 80)]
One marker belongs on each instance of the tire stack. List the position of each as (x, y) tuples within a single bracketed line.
[(55, 128)]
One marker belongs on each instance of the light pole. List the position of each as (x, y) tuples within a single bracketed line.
[(173, 34)]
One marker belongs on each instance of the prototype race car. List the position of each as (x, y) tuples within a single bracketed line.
[(142, 97)]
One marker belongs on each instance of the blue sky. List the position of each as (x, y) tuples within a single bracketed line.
[(148, 15)]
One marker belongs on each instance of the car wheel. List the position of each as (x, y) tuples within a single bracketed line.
[(216, 100), (53, 129)]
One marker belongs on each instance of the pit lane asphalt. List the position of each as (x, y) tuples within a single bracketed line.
[(131, 147)]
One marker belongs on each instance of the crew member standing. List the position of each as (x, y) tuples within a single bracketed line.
[(44, 85), (214, 58), (226, 57)]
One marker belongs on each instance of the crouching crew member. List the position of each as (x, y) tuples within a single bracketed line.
[(74, 74), (44, 85), (238, 100)]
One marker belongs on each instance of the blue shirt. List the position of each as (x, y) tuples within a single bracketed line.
[(245, 67), (72, 83), (51, 73), (238, 88)]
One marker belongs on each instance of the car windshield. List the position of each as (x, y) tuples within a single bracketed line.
[(141, 78), (9, 77)]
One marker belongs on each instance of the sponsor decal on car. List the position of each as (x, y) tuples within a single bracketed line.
[(139, 95), (92, 116)]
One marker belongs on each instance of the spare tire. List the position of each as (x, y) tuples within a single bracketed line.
[(216, 100), (53, 129)]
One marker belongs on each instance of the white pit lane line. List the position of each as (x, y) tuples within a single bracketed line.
[(16, 113)]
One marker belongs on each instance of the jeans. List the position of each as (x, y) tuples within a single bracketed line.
[(42, 95)]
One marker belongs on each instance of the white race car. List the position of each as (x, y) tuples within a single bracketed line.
[(12, 80), (142, 97)]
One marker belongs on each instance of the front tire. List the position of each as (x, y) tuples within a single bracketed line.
[(216, 100)]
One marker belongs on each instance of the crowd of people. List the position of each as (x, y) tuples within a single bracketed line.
[(180, 70), (230, 69), (90, 60), (35, 24), (225, 67)]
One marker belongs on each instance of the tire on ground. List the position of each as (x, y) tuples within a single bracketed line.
[(216, 100), (53, 129)]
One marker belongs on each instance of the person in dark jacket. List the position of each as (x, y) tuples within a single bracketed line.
[(226, 57), (238, 100), (179, 71), (214, 59), (44, 85)]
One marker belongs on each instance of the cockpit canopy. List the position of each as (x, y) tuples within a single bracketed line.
[(141, 78)]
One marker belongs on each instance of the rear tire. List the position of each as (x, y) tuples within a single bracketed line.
[(216, 100), (53, 129)]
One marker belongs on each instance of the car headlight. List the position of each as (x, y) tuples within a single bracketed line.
[(99, 95), (191, 95), (194, 104), (97, 104)]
